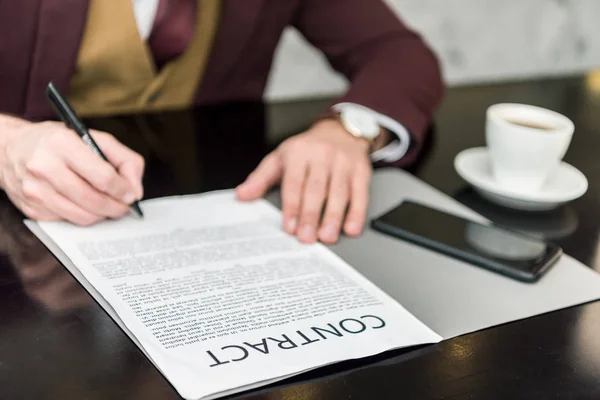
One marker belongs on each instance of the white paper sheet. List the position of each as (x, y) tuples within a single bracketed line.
[(221, 300)]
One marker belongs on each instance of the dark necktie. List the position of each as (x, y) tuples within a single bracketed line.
[(173, 30)]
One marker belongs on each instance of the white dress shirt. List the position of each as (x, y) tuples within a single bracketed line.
[(145, 13)]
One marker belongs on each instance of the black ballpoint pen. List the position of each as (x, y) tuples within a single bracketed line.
[(70, 118)]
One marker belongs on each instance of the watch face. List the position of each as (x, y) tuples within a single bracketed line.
[(360, 123)]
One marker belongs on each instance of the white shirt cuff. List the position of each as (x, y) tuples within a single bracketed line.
[(397, 148)]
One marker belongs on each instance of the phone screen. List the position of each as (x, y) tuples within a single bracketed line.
[(499, 248)]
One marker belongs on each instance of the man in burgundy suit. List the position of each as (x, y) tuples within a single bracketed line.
[(395, 88)]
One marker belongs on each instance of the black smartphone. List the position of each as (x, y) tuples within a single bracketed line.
[(493, 247)]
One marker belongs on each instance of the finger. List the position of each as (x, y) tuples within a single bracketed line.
[(292, 183), (359, 201), (267, 174), (36, 211), (85, 163), (337, 201), (31, 209), (129, 163), (40, 191), (72, 187), (313, 199)]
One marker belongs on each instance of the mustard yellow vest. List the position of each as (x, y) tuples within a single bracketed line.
[(115, 71)]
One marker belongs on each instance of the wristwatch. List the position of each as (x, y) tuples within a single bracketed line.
[(360, 123)]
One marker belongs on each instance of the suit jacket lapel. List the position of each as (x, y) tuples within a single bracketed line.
[(18, 29), (60, 29), (239, 18)]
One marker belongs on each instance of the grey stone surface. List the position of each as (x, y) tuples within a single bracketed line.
[(476, 41)]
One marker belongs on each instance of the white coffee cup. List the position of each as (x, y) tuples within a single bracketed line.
[(526, 144)]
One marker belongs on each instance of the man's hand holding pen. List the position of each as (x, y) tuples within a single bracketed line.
[(51, 174)]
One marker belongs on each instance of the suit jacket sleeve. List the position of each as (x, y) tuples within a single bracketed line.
[(390, 68)]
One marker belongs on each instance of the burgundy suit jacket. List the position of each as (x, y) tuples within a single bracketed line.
[(390, 68)]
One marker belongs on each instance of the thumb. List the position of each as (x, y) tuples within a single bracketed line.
[(267, 174)]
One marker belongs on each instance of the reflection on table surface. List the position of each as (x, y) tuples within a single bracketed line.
[(546, 225)]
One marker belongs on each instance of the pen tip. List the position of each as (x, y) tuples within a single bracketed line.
[(137, 210)]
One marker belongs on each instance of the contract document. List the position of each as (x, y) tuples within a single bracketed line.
[(222, 300)]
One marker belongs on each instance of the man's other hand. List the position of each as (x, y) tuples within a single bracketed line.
[(51, 174), (325, 172)]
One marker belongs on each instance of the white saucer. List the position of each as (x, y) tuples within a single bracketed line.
[(567, 184)]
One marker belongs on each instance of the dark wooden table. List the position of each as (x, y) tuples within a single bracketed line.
[(57, 343)]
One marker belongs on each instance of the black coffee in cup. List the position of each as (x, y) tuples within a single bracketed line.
[(532, 124)]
